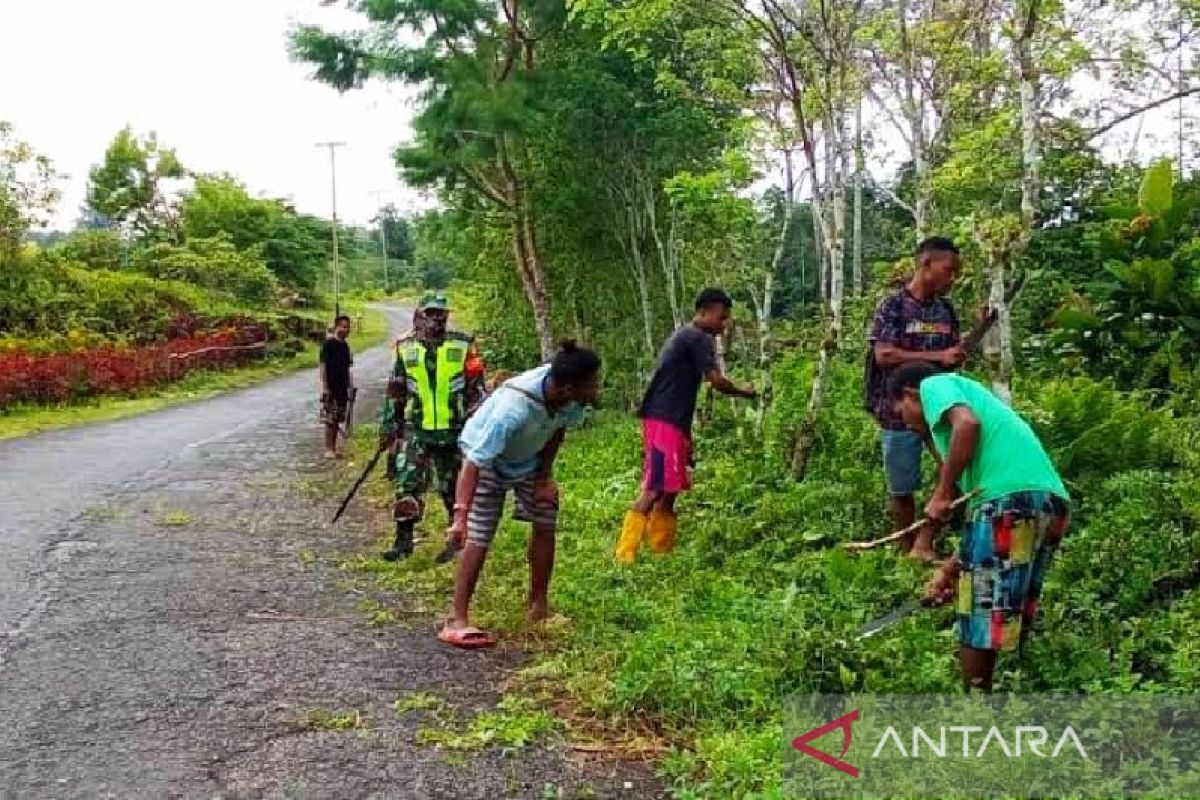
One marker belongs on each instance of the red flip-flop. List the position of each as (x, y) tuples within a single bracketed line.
[(466, 638)]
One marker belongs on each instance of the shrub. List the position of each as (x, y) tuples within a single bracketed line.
[(213, 263), (112, 369)]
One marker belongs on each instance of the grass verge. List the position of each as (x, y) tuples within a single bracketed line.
[(687, 656), (26, 419)]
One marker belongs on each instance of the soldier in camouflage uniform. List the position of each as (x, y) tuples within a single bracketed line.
[(437, 381)]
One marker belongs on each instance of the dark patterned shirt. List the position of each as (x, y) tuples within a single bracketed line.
[(906, 322)]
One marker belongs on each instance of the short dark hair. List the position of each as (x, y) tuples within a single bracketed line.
[(572, 364), (909, 376), (341, 317), (937, 244), (711, 297)]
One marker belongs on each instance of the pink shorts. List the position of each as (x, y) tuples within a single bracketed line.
[(666, 466)]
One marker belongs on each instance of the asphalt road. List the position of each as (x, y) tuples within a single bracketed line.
[(165, 629)]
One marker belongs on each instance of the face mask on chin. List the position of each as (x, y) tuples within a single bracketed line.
[(434, 328)]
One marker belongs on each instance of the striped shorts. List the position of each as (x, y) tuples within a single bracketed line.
[(488, 506)]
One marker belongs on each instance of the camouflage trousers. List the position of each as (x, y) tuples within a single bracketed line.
[(423, 466)]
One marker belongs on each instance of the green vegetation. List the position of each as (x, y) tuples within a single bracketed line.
[(319, 719), (419, 701), (613, 166), (516, 722), (172, 518), (759, 600), (101, 322), (22, 420)]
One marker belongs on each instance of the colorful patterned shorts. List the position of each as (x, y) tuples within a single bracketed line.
[(1007, 546)]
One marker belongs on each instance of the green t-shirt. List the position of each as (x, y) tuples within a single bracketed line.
[(1009, 458)]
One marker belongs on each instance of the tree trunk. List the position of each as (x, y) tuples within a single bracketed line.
[(629, 230), (914, 110), (831, 178), (640, 279), (1030, 196), (764, 335), (834, 236), (666, 255), (819, 248), (806, 438), (1001, 334), (525, 249), (764, 307), (533, 280), (858, 200)]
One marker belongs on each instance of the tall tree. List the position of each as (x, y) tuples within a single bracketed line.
[(293, 248), (27, 190), (27, 196), (478, 66), (396, 232), (128, 186), (930, 63), (809, 50)]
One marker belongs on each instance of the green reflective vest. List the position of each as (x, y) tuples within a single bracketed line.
[(438, 398)]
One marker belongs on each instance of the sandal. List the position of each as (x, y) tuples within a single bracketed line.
[(467, 638)]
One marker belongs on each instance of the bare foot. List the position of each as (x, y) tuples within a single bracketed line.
[(538, 612)]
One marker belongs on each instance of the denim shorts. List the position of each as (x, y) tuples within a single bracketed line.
[(902, 461)]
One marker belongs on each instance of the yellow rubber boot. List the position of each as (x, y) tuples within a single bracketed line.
[(632, 531), (662, 531)]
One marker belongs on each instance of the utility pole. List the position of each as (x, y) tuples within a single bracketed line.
[(337, 275), (382, 238)]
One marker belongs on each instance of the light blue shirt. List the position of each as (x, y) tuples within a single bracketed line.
[(509, 429)]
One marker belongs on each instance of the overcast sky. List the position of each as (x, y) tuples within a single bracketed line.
[(213, 80)]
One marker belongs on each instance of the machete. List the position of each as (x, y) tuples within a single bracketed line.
[(891, 618), (349, 414), (975, 337), (370, 466)]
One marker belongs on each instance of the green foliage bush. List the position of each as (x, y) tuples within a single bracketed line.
[(92, 248), (759, 600), (1095, 431), (214, 263)]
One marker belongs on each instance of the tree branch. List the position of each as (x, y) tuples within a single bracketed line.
[(1162, 101), (485, 187), (510, 56), (895, 198)]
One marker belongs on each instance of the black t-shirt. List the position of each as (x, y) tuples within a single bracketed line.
[(684, 361), (335, 355)]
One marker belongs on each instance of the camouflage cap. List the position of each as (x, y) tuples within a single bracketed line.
[(434, 300)]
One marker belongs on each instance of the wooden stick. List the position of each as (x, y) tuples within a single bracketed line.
[(900, 534)]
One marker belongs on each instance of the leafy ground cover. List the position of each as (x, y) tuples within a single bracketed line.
[(697, 649)]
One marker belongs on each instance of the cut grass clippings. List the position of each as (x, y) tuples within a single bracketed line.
[(200, 385)]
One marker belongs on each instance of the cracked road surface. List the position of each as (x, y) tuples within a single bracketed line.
[(165, 627)]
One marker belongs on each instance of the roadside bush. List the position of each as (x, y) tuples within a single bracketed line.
[(110, 369), (92, 249), (213, 263)]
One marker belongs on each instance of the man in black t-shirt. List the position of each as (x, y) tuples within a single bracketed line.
[(336, 382), (687, 359)]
